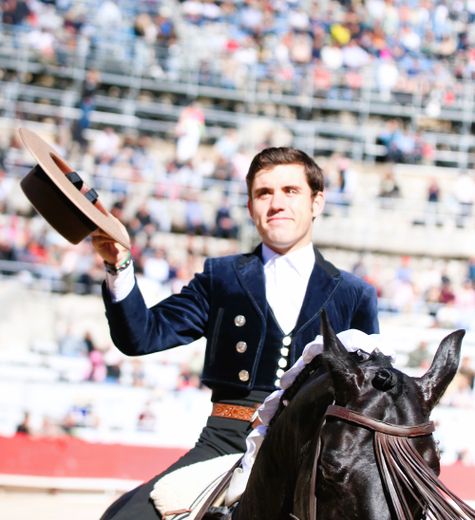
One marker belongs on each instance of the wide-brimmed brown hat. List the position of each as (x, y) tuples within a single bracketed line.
[(59, 195)]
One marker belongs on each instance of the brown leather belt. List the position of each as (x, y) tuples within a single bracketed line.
[(234, 411)]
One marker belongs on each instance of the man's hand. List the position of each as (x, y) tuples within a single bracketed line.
[(111, 251)]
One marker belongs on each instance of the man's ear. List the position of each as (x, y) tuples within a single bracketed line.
[(249, 208), (318, 204)]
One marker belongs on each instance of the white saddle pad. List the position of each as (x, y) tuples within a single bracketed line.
[(187, 488)]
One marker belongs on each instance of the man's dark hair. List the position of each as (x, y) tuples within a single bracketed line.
[(270, 157)]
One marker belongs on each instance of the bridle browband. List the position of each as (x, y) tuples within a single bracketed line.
[(403, 470), (419, 430)]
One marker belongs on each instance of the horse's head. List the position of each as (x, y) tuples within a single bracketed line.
[(368, 384)]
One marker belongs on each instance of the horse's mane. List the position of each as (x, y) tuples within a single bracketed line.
[(290, 392)]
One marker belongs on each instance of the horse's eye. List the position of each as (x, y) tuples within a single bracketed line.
[(361, 355), (384, 379)]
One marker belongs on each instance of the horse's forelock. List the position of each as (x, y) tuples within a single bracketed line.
[(381, 359)]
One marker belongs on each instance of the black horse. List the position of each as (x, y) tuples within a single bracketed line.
[(355, 442)]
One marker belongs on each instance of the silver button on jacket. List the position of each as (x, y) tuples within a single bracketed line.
[(286, 341), (241, 347), (239, 320), (243, 375)]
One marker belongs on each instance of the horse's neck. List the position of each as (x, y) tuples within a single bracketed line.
[(281, 472)]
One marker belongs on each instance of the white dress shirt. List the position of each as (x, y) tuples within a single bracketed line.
[(287, 279), (120, 284)]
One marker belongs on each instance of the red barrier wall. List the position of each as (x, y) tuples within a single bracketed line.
[(70, 457)]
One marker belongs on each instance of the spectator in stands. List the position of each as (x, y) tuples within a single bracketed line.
[(398, 143), (86, 105), (189, 130), (388, 190), (466, 370), (347, 181), (156, 266), (97, 369), (15, 12), (50, 428), (114, 361), (420, 357), (433, 202), (72, 344), (387, 75), (106, 143), (147, 419), (471, 270), (7, 186), (446, 293), (225, 225), (230, 304), (464, 192), (24, 427), (195, 223), (460, 392), (79, 415), (187, 379)]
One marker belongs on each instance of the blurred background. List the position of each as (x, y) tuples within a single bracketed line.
[(161, 105)]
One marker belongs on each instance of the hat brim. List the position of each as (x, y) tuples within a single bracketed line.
[(61, 203)]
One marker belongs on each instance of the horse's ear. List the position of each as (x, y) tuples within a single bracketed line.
[(342, 368), (442, 370), (330, 340)]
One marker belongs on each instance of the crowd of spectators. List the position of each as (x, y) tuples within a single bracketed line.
[(404, 44), (330, 49)]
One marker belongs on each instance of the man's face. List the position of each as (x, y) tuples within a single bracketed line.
[(282, 207)]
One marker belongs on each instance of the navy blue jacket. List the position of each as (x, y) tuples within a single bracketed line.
[(226, 304)]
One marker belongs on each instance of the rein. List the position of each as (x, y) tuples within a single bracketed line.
[(402, 469)]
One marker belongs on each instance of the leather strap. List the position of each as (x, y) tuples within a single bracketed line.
[(234, 411), (217, 491), (380, 426)]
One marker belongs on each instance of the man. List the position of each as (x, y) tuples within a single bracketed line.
[(257, 310)]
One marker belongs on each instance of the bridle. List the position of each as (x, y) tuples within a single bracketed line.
[(379, 427), (403, 470)]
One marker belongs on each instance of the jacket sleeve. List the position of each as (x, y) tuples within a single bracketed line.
[(177, 320), (365, 317)]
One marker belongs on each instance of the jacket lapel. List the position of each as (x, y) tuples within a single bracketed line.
[(250, 273), (323, 281)]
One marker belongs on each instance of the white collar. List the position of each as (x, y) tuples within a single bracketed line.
[(302, 259)]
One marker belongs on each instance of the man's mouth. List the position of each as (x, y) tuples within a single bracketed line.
[(278, 219)]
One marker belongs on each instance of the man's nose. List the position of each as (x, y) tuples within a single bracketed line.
[(277, 201)]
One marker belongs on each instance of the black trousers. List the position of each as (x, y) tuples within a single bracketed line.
[(220, 436)]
